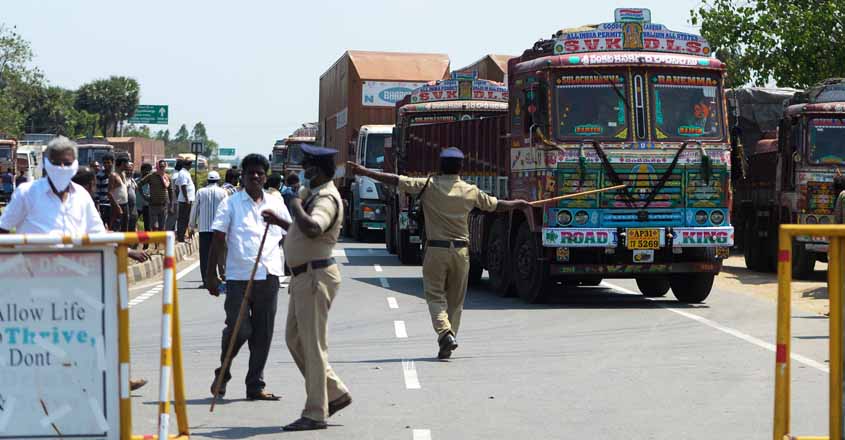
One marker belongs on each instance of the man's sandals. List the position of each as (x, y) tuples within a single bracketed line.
[(306, 424), (262, 395)]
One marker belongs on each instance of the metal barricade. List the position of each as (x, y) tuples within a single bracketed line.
[(835, 275)]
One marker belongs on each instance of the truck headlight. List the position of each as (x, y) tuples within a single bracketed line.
[(564, 218), (701, 217), (581, 217), (811, 220), (717, 217)]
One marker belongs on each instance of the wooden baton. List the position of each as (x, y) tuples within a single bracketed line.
[(574, 195)]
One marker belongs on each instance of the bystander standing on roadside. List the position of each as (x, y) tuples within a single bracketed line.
[(274, 185), (8, 181), (291, 188), (119, 196), (839, 205), (187, 194), (104, 198), (173, 212), (142, 197), (131, 195), (21, 179), (202, 216), (231, 182)]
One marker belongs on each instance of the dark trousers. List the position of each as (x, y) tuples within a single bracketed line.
[(144, 213), (158, 217), (205, 248), (256, 328), (133, 219), (182, 225)]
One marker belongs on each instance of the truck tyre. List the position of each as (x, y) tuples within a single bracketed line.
[(530, 273), (653, 287), (475, 270), (753, 251), (409, 253), (497, 258), (803, 262), (692, 288), (390, 231)]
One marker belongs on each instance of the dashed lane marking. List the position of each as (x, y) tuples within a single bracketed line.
[(409, 371), (158, 287), (384, 283), (399, 327), (377, 267), (391, 303), (733, 332), (422, 434)]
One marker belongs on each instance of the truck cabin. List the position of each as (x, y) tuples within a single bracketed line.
[(7, 153), (279, 155), (372, 142), (814, 134), (624, 102), (92, 149)]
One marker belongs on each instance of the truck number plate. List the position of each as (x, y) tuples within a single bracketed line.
[(643, 239)]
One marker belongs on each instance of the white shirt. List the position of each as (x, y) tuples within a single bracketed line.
[(184, 178), (205, 207), (239, 217), (35, 209)]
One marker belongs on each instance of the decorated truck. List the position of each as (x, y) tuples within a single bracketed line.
[(287, 153), (789, 176), (8, 162), (628, 102), (461, 111)]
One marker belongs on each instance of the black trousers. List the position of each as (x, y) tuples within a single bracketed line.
[(205, 248), (256, 329), (144, 213), (182, 225)]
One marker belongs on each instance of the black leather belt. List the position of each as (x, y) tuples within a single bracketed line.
[(447, 243), (316, 264)]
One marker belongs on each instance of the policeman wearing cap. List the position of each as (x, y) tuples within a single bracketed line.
[(447, 201), (317, 218)]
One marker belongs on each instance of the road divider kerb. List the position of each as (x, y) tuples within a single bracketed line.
[(153, 266)]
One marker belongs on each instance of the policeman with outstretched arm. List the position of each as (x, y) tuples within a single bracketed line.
[(447, 201)]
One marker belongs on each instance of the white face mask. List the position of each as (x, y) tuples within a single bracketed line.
[(60, 175)]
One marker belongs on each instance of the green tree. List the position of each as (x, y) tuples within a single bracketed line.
[(198, 133), (114, 100), (163, 135), (18, 81), (182, 135), (133, 130), (796, 43)]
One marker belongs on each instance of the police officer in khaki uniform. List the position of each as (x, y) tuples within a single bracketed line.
[(317, 218), (447, 201)]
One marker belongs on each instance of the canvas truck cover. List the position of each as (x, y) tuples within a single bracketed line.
[(829, 90), (754, 111)]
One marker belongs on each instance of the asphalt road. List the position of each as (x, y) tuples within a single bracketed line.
[(602, 363)]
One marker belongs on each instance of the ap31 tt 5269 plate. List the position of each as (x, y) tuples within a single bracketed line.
[(644, 238)]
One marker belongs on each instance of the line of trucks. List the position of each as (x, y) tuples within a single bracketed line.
[(626, 102)]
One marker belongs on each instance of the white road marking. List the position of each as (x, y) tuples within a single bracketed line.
[(158, 287), (412, 381), (384, 283), (733, 332), (399, 327), (391, 302), (377, 267), (422, 434)]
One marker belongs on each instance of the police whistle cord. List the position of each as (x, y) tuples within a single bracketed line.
[(234, 337), (578, 194)]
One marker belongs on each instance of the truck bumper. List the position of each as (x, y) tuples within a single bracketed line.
[(373, 225), (626, 270)]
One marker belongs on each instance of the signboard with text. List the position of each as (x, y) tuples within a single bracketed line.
[(150, 114), (59, 344), (227, 153), (386, 94)]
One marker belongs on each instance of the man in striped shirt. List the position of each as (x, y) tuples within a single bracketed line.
[(202, 216)]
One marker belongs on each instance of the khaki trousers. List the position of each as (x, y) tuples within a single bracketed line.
[(311, 295), (445, 275)]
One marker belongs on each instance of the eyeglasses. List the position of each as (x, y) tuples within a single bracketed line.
[(59, 163)]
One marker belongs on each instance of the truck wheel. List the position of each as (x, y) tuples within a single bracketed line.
[(475, 270), (530, 274), (497, 258), (803, 262), (389, 235), (408, 252), (653, 287), (752, 249), (691, 288)]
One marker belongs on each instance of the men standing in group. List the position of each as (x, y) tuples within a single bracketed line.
[(173, 212), (119, 196), (231, 183), (314, 283), (187, 192), (21, 179), (160, 195), (239, 223), (104, 197), (447, 201), (142, 196), (202, 216)]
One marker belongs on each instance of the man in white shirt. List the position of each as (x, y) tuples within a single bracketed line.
[(240, 224), (186, 198), (202, 216), (57, 206)]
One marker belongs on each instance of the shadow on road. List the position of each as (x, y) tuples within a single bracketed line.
[(565, 297), (239, 432)]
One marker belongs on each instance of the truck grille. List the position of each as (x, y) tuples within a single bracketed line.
[(642, 180), (820, 197)]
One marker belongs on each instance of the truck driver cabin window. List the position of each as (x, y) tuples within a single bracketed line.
[(591, 106), (686, 107), (827, 141)]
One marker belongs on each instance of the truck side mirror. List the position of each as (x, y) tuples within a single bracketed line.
[(796, 157)]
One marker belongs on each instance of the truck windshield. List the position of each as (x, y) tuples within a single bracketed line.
[(685, 107), (295, 155), (375, 150), (591, 105), (827, 141), (88, 155), (5, 153), (279, 156)]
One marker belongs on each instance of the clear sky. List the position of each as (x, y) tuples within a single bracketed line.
[(250, 69)]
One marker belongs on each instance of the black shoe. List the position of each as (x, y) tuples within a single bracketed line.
[(339, 403), (305, 424), (447, 344)]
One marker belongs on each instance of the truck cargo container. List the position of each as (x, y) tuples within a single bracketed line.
[(790, 169), (141, 150), (362, 88), (491, 66)]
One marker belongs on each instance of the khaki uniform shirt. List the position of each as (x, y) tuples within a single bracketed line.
[(447, 202), (299, 248)]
